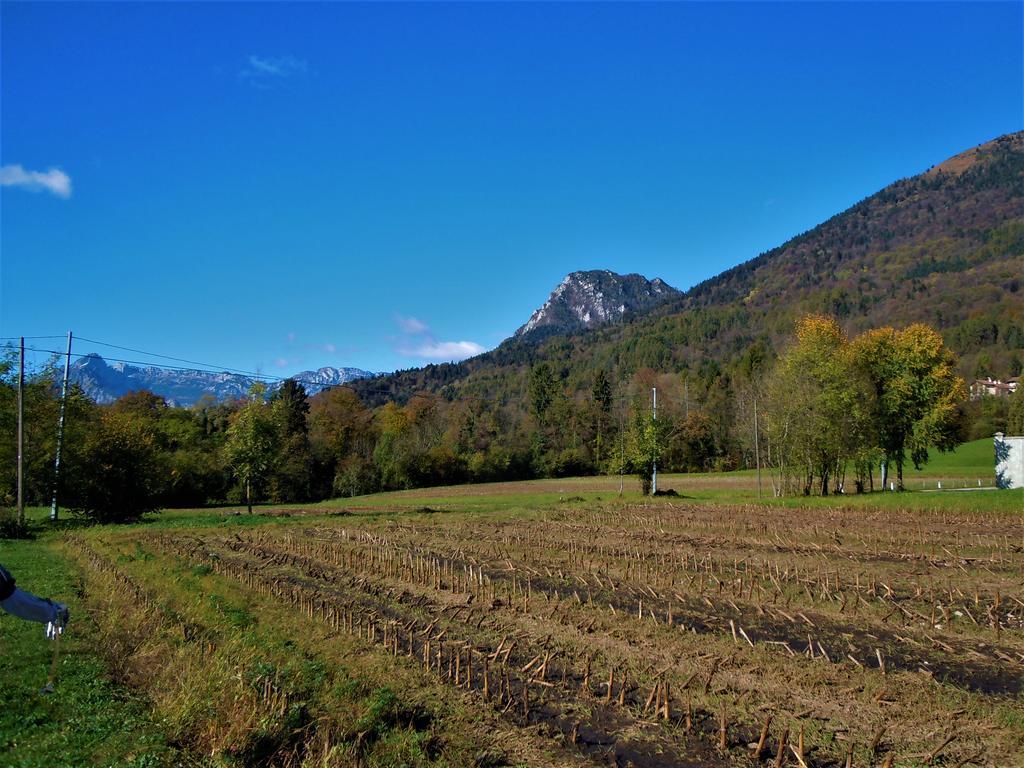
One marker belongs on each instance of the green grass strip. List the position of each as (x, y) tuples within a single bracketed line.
[(88, 720)]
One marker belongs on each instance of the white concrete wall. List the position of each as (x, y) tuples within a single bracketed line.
[(1009, 461)]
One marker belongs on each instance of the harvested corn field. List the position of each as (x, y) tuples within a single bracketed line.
[(589, 633)]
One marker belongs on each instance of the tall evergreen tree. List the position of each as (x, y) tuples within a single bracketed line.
[(601, 400), (292, 471)]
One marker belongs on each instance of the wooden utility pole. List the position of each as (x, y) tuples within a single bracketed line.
[(654, 417), (21, 431), (60, 430)]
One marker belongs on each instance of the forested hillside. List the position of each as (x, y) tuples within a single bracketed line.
[(945, 248)]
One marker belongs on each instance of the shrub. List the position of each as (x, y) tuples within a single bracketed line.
[(121, 475), (10, 526)]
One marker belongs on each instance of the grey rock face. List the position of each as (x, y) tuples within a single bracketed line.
[(590, 299)]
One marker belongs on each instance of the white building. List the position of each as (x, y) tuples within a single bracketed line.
[(1009, 461), (994, 387)]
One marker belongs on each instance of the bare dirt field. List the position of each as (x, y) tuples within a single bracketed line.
[(644, 633)]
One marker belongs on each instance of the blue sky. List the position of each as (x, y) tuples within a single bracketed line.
[(288, 186)]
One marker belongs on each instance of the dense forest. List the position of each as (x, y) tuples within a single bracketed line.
[(139, 454)]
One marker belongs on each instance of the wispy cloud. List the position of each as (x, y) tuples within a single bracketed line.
[(417, 341), (53, 180), (411, 325), (268, 71), (444, 350)]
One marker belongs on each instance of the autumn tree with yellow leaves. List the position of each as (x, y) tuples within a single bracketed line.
[(916, 392), (833, 404)]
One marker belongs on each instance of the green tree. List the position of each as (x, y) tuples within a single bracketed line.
[(916, 392), (342, 437), (555, 440), (392, 453), (292, 404), (191, 455), (601, 404), (196, 470), (988, 415), (755, 360), (692, 443), (1015, 415), (141, 404), (291, 475), (645, 442), (42, 406), (120, 474), (815, 406), (252, 445), (543, 388)]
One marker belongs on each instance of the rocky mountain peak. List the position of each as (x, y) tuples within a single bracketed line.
[(589, 299)]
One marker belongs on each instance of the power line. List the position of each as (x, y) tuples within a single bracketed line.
[(210, 368), (203, 367), (15, 338), (168, 357)]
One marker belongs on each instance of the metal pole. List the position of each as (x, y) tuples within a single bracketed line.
[(21, 431), (757, 450), (654, 417), (60, 430)]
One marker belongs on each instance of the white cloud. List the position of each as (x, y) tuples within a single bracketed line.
[(411, 325), (281, 362), (444, 350), (53, 180), (265, 71), (417, 341)]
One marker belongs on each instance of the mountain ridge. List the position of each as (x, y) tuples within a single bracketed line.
[(105, 382)]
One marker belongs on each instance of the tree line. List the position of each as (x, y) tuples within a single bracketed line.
[(822, 417)]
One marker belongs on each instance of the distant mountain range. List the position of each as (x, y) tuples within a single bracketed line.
[(585, 300), (105, 382)]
